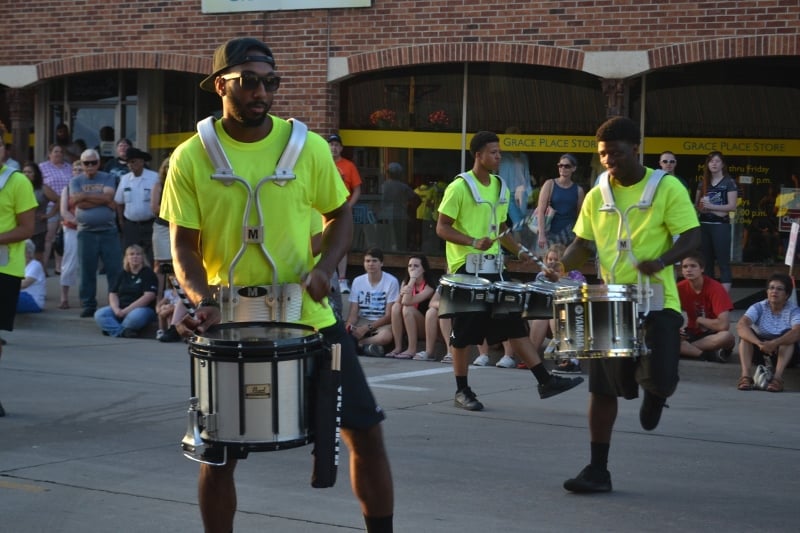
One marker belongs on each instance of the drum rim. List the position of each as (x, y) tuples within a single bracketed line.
[(207, 341), (454, 281)]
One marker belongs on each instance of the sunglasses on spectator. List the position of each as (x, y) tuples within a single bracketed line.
[(562, 165), (668, 161), (90, 163), (249, 81)]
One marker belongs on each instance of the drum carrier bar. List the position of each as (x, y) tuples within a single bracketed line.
[(284, 172)]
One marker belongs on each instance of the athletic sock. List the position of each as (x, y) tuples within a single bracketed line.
[(541, 374), (379, 524), (461, 383), (600, 455)]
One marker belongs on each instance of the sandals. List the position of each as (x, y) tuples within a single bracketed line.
[(404, 355), (745, 383), (775, 385), (64, 305), (423, 356), (393, 353)]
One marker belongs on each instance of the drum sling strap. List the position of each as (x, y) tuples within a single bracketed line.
[(4, 176), (283, 302), (624, 244), (480, 263)]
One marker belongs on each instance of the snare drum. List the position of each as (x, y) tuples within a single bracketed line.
[(508, 298), (539, 304), (253, 381), (596, 321), (463, 293)]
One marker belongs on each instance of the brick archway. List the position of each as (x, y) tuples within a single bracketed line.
[(123, 60), (726, 48)]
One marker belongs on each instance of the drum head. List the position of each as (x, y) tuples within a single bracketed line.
[(256, 339), (465, 280), (510, 286)]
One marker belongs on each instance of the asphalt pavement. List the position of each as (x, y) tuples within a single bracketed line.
[(90, 443)]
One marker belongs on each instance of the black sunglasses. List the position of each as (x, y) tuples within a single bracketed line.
[(250, 81), (90, 163), (668, 161)]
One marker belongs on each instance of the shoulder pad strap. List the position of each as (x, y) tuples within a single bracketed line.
[(605, 191), (5, 175), (472, 186), (650, 189), (297, 139), (220, 161)]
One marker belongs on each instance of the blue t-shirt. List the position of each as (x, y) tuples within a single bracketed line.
[(97, 218)]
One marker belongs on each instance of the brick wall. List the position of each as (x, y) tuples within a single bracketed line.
[(69, 37)]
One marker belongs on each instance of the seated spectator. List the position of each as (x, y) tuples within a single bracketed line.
[(33, 287), (371, 298), (541, 327), (433, 326), (707, 306), (131, 298), (165, 309), (769, 328), (408, 312)]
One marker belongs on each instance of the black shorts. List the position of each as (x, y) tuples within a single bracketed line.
[(9, 294), (359, 408), (656, 372)]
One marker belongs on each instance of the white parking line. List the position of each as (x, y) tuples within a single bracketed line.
[(414, 374)]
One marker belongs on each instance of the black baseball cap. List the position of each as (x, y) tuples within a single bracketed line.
[(334, 137), (233, 53)]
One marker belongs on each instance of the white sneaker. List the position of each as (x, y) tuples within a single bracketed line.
[(506, 362), (344, 288), (159, 334), (423, 356), (447, 359), (481, 360)]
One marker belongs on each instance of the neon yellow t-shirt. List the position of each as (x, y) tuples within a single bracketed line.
[(15, 198), (672, 213), (193, 200), (472, 219)]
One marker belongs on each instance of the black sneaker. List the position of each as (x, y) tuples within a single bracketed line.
[(722, 355), (87, 312), (590, 479), (466, 399), (171, 335), (129, 333), (650, 412), (2, 411), (373, 350), (557, 385), (567, 368)]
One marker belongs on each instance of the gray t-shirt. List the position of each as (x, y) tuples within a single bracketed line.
[(97, 218)]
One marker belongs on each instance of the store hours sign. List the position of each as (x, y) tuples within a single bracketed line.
[(239, 6)]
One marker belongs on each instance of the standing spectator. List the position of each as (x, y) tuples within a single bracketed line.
[(64, 139), (352, 180), (118, 166), (47, 209), (668, 162), (92, 193), (651, 250), (408, 312), (566, 198), (69, 227), (707, 306), (515, 171), (472, 217), (716, 199), (33, 289), (395, 197), (57, 173), (17, 214), (371, 299), (162, 254), (769, 328), (134, 201), (132, 298)]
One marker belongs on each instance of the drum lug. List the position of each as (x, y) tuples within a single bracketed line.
[(192, 444)]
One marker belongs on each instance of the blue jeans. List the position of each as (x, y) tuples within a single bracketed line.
[(717, 249), (91, 246), (136, 320)]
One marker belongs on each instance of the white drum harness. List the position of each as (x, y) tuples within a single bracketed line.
[(486, 263)]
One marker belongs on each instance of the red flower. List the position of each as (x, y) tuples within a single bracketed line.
[(380, 116), (439, 118)]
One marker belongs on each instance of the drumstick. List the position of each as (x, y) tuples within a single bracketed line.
[(515, 226), (182, 295), (336, 366)]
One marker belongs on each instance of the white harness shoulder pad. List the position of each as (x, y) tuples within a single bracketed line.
[(473, 187), (5, 175), (647, 194), (223, 170)]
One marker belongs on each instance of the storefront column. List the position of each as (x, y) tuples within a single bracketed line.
[(614, 90), (20, 110)]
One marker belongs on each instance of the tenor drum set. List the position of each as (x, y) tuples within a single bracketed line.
[(591, 321)]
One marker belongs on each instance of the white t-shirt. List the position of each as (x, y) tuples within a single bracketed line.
[(373, 299), (37, 289)]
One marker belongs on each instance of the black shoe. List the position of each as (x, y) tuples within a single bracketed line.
[(171, 335), (373, 350), (557, 385), (2, 411), (650, 412), (129, 333), (590, 479), (722, 355), (466, 399), (2, 341), (87, 312)]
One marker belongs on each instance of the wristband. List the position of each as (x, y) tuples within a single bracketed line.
[(474, 243), (522, 250)]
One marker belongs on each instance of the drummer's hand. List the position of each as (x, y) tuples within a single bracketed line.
[(204, 318), (318, 284), (651, 267), (550, 274), (484, 243)]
